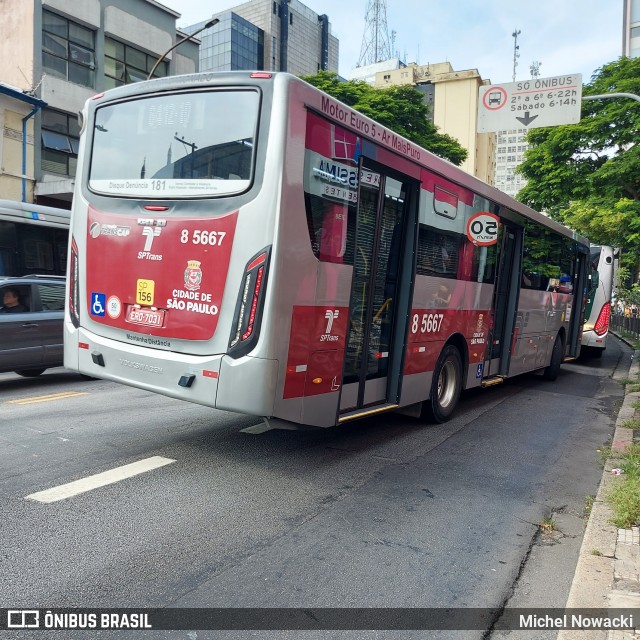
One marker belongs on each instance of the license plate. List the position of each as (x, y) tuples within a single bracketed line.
[(147, 317)]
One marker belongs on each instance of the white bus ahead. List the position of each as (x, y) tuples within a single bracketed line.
[(603, 262), (33, 239), (245, 241)]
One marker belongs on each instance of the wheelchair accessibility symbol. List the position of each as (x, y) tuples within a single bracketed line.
[(98, 304)]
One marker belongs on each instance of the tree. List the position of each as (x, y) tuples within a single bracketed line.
[(587, 175), (400, 108)]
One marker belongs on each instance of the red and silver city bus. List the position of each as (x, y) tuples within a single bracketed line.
[(245, 241)]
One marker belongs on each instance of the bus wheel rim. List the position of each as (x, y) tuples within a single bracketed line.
[(446, 383)]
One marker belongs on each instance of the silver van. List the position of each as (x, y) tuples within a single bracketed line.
[(31, 320)]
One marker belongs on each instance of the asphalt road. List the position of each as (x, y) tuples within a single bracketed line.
[(388, 512)]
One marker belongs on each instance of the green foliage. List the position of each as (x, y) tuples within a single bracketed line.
[(624, 494), (587, 175), (624, 499), (400, 108)]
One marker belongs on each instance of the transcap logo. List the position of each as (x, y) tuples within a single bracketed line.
[(23, 619), (150, 233)]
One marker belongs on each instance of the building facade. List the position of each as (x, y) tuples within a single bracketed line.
[(510, 148), (17, 111), (631, 28), (453, 100), (64, 52), (270, 35)]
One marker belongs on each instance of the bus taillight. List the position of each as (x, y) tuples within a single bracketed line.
[(74, 285), (602, 323), (246, 320)]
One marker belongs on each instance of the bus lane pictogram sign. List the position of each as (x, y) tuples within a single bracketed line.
[(495, 98)]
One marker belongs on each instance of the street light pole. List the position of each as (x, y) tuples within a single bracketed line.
[(211, 23), (633, 96)]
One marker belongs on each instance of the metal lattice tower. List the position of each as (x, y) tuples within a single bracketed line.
[(376, 45)]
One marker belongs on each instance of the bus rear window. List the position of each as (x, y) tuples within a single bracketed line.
[(178, 145)]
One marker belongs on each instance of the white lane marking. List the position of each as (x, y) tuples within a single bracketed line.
[(99, 480)]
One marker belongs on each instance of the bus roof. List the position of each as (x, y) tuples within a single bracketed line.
[(256, 78), (26, 212)]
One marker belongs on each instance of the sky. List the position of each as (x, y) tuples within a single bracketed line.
[(564, 36)]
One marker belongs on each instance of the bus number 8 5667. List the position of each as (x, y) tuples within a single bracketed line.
[(430, 322)]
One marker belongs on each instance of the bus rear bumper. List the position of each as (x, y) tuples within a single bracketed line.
[(591, 339), (246, 385)]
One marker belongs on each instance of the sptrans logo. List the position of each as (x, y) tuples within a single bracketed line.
[(331, 316)]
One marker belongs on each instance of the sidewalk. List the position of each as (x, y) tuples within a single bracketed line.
[(608, 570)]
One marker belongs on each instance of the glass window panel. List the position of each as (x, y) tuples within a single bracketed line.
[(161, 70), (136, 58), (57, 141), (109, 67), (74, 126), (114, 48), (120, 71), (54, 120), (173, 138), (73, 165), (81, 55), (54, 24), (81, 35), (54, 45), (133, 75), (81, 74), (54, 66), (54, 161), (75, 143), (110, 83), (51, 296)]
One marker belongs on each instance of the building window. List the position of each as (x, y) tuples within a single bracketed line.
[(124, 64), (68, 50), (60, 135), (273, 53)]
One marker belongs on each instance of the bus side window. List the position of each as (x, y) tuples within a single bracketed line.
[(437, 253), (331, 229)]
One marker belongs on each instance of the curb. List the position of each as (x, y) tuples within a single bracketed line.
[(608, 570)]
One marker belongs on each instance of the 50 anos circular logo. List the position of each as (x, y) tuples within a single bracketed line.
[(482, 228)]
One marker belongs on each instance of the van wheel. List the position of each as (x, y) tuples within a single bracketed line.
[(30, 373), (551, 372), (445, 386)]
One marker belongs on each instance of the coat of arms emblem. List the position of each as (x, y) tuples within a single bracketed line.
[(192, 275)]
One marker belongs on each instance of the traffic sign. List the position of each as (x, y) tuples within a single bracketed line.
[(539, 102)]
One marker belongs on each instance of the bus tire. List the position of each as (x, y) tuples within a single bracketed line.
[(446, 386), (551, 372)]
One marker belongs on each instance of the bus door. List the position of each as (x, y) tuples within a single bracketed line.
[(505, 301), (577, 313), (382, 279)]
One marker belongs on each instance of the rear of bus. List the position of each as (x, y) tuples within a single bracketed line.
[(172, 238), (597, 315)]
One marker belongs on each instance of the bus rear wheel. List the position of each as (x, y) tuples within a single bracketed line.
[(551, 372), (445, 386)]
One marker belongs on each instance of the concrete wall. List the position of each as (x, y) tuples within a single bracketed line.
[(17, 43), (11, 114)]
